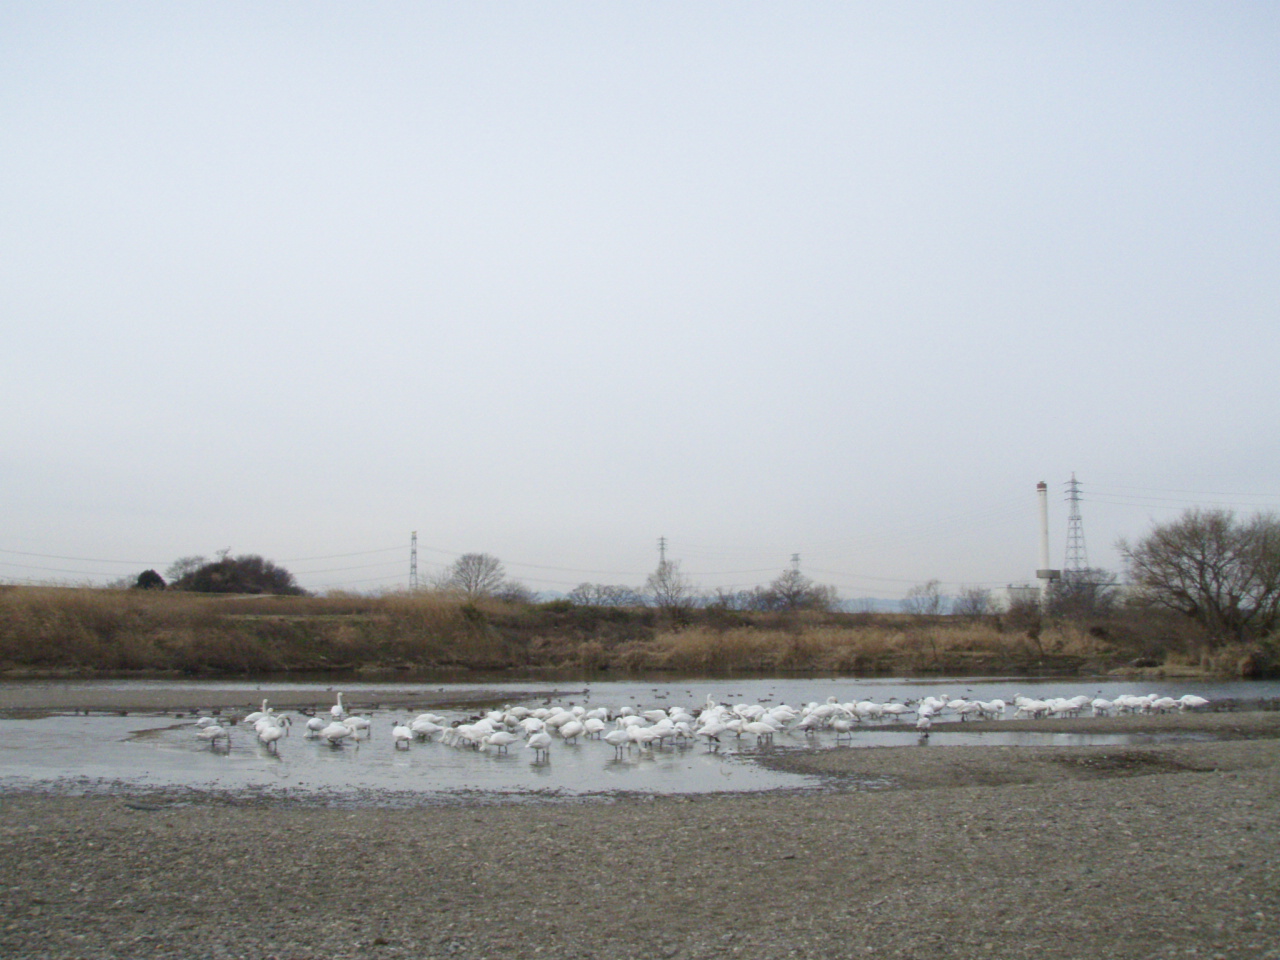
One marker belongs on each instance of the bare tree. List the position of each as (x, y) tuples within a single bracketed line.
[(973, 603), (475, 575), (183, 566), (513, 591), (1083, 595), (792, 590), (671, 590), (725, 598), (924, 599), (605, 595), (1221, 573)]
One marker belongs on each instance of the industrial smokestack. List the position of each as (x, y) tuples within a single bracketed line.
[(1044, 574)]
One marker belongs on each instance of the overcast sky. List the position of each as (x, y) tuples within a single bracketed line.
[(553, 280)]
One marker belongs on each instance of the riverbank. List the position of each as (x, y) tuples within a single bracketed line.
[(82, 633), (945, 852), (22, 699)]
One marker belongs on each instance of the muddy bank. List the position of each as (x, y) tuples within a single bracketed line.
[(19, 698), (1180, 743)]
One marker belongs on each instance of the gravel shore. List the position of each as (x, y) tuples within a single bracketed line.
[(1168, 849)]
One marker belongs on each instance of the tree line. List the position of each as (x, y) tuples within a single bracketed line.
[(1209, 567)]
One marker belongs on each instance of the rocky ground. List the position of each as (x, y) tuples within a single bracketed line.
[(1165, 849)]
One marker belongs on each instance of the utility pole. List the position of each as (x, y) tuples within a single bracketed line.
[(1076, 564), (413, 560)]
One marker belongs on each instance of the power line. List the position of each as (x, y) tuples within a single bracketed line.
[(1198, 493), (54, 556), (32, 566), (1165, 503), (362, 566), (339, 556)]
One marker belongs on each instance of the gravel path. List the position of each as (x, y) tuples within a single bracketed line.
[(1166, 850)]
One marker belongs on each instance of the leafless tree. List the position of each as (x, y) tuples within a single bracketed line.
[(1083, 595), (475, 575), (725, 598), (513, 591), (792, 590), (605, 595), (973, 603), (183, 566), (924, 599), (670, 589), (1221, 573)]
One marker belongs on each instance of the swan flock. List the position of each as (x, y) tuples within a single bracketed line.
[(632, 728)]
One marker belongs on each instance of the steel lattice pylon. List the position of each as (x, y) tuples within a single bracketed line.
[(1076, 564)]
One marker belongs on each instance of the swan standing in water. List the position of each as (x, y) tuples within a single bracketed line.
[(214, 732), (540, 744), (335, 733), (315, 725), (358, 724), (571, 730), (619, 739), (401, 736), (271, 730), (500, 739)]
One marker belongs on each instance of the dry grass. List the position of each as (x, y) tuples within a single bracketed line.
[(1236, 661), (78, 631), (855, 649), (50, 629)]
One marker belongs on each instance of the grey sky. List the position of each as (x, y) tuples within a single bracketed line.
[(552, 280)]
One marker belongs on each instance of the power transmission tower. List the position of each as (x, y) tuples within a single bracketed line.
[(795, 562), (662, 551), (413, 560), (1076, 564)]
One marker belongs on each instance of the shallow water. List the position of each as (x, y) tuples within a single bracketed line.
[(72, 752)]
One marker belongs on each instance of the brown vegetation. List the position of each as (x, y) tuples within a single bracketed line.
[(61, 631)]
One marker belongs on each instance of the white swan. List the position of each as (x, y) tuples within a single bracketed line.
[(572, 730), (619, 739), (540, 744), (335, 733), (500, 739), (315, 725), (359, 725), (270, 731), (258, 714), (213, 733), (401, 736), (425, 729)]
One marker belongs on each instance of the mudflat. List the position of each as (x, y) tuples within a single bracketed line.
[(1170, 848)]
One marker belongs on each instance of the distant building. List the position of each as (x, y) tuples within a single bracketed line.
[(1022, 594)]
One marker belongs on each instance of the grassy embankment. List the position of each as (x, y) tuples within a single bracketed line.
[(84, 632)]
